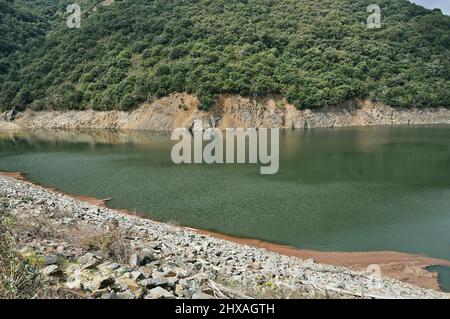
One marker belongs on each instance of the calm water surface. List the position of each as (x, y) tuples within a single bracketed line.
[(355, 189)]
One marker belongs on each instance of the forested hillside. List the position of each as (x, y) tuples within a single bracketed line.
[(314, 53), (22, 21)]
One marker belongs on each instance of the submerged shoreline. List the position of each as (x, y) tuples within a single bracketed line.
[(410, 268)]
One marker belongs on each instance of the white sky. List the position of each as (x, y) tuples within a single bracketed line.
[(444, 5)]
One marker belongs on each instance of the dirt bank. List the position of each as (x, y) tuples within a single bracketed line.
[(180, 110)]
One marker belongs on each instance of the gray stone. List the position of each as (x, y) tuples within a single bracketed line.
[(115, 266), (99, 283), (10, 115), (159, 293), (104, 282), (159, 282), (123, 270), (179, 290), (124, 295), (90, 285), (137, 275), (52, 270), (50, 260), (201, 295), (134, 261), (75, 284), (148, 257), (255, 265), (89, 260), (109, 295)]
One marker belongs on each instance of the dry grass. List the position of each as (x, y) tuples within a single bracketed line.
[(173, 226), (111, 243), (19, 276)]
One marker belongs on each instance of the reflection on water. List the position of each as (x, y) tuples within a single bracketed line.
[(384, 188)]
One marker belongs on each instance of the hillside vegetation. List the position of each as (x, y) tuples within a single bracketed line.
[(314, 53)]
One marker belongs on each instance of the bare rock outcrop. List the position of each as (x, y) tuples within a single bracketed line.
[(230, 111)]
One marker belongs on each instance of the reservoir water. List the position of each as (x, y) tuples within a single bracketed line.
[(351, 189)]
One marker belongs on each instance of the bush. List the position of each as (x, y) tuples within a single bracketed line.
[(112, 243)]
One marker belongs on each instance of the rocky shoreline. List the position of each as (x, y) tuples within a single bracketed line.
[(97, 252), (230, 111)]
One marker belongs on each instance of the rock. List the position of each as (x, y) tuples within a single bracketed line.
[(152, 282), (52, 270), (124, 295), (170, 273), (100, 293), (99, 283), (137, 275), (255, 265), (105, 282), (50, 260), (114, 266), (148, 257), (123, 270), (90, 285), (159, 282), (139, 292), (126, 275), (123, 284), (179, 290), (147, 272), (310, 261), (134, 261), (159, 293), (73, 268), (109, 295), (10, 115), (201, 295), (89, 261), (75, 284)]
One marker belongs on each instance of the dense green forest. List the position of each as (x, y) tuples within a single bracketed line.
[(314, 53)]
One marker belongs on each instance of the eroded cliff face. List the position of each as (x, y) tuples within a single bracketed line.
[(230, 111)]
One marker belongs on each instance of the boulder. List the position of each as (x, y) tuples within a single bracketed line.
[(179, 290), (89, 261), (50, 260), (99, 283), (52, 270), (159, 293), (137, 275), (75, 284), (134, 261), (10, 115), (148, 257), (255, 266)]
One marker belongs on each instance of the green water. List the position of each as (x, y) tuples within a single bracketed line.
[(355, 189), (443, 276)]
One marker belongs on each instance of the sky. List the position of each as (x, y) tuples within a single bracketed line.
[(444, 5)]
